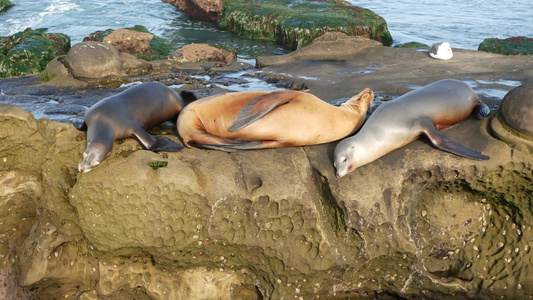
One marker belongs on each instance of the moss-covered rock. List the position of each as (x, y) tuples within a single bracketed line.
[(510, 46), (297, 23), (411, 45), (160, 47), (5, 5), (29, 51)]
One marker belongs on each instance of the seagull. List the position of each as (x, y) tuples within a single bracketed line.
[(441, 50)]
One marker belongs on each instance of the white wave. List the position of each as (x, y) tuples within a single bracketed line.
[(59, 7)]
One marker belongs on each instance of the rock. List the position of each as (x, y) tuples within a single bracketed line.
[(133, 66), (512, 124), (510, 46), (209, 10), (517, 109), (202, 53), (291, 22), (29, 52), (58, 74), (416, 223), (130, 41), (331, 45), (412, 45), (5, 5), (135, 40), (90, 60)]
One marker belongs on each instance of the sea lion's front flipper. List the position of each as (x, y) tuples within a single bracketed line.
[(442, 142), (156, 143), (481, 110), (208, 141), (79, 124), (233, 146), (259, 107)]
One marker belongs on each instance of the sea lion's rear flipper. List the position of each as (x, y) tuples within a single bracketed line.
[(156, 143), (79, 124), (259, 107), (188, 97), (442, 142), (481, 110)]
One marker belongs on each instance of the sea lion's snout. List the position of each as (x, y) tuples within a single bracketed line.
[(91, 159)]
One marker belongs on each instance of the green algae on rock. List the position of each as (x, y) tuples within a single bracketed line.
[(29, 51), (510, 46), (297, 23), (160, 47), (5, 5), (411, 45), (158, 164)]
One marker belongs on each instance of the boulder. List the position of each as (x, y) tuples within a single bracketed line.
[(29, 52), (135, 40), (293, 23), (90, 60), (202, 53), (5, 5), (517, 109), (130, 41), (58, 75), (209, 10), (513, 122), (509, 46)]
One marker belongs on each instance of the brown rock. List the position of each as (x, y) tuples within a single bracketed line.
[(201, 52), (58, 74), (130, 41), (134, 66), (331, 45), (208, 10), (92, 60), (517, 108)]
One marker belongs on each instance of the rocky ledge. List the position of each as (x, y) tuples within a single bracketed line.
[(272, 224)]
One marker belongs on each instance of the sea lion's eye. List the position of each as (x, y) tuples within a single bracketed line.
[(344, 159)]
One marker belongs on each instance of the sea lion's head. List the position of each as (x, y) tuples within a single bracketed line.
[(344, 158), (93, 156)]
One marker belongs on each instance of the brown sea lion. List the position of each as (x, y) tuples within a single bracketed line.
[(269, 119), (129, 114), (398, 122)]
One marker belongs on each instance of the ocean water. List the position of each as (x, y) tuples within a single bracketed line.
[(464, 24)]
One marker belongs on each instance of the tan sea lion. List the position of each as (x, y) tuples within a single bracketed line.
[(130, 114), (398, 122), (269, 119)]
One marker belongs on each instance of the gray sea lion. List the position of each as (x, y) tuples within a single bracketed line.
[(398, 122), (269, 119), (130, 114)]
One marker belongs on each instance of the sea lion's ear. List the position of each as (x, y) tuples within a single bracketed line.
[(188, 97)]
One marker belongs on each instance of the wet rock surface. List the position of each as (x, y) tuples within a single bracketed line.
[(416, 223), (202, 52)]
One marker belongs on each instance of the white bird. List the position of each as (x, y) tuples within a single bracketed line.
[(441, 51)]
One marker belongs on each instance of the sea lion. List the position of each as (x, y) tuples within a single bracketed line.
[(130, 114), (269, 119), (398, 122)]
